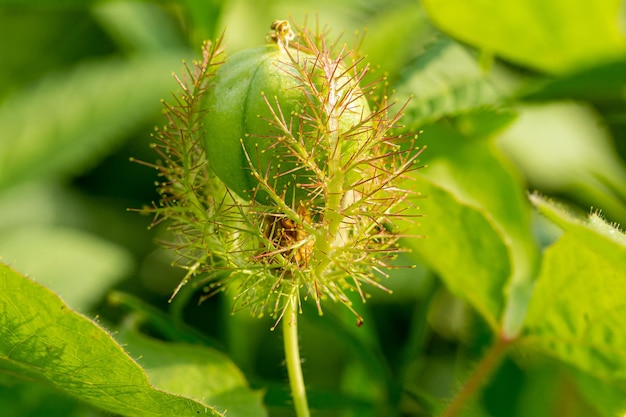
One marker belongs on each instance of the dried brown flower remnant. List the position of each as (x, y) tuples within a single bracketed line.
[(290, 238)]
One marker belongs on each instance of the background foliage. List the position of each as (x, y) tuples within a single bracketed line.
[(512, 98)]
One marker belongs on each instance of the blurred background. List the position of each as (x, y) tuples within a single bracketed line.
[(80, 89)]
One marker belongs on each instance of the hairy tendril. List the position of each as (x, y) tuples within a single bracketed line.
[(303, 209)]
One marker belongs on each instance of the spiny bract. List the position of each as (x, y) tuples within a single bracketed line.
[(260, 96), (280, 182)]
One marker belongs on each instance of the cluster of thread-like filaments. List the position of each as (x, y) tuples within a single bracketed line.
[(339, 237)]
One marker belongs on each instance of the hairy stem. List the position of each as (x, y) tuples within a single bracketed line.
[(292, 358), (334, 185), (478, 378)]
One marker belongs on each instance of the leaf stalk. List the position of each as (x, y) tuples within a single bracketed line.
[(478, 378)]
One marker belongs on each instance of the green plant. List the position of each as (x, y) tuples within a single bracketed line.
[(294, 192), (514, 307)]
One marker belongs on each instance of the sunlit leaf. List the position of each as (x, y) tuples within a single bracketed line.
[(43, 340), (550, 35), (462, 245), (462, 159), (577, 309)]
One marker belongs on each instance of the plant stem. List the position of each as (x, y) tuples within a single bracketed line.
[(292, 358), (478, 377)]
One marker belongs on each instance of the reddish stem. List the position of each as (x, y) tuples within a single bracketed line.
[(478, 378)]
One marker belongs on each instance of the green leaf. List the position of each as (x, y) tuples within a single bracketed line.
[(577, 310), (445, 80), (41, 339), (139, 26), (562, 147), (47, 4), (600, 83), (19, 399), (33, 29), (549, 35), (78, 266), (158, 321), (205, 16), (462, 245), (196, 372), (37, 203), (548, 389), (608, 399), (66, 122), (462, 159), (400, 30)]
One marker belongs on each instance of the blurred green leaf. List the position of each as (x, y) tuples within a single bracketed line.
[(462, 159), (577, 309), (148, 316), (463, 246), (538, 391), (195, 371), (204, 16), (35, 204), (62, 4), (601, 83), (36, 41), (43, 340), (51, 206), (66, 122), (444, 80), (78, 266), (548, 389), (139, 26), (607, 398), (562, 147), (549, 35), (400, 33)]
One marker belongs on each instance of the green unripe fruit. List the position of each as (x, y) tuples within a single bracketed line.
[(241, 126)]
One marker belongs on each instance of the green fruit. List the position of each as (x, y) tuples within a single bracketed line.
[(238, 123)]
